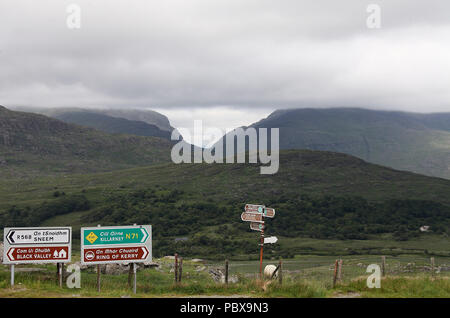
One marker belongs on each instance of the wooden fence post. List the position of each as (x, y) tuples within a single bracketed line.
[(339, 278), (280, 273), (383, 266), (176, 268), (226, 272), (180, 268), (335, 273), (57, 272), (432, 266)]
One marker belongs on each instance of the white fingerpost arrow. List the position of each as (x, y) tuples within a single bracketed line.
[(10, 254), (145, 235), (270, 240), (145, 252)]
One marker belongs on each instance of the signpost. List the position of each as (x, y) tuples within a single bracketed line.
[(252, 217), (116, 244), (254, 208), (257, 226), (255, 213), (106, 254), (36, 245), (270, 240), (269, 212)]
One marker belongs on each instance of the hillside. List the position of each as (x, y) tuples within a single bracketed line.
[(318, 195), (112, 125), (413, 142), (150, 117), (32, 144)]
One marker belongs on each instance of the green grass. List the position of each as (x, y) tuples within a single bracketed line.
[(309, 277)]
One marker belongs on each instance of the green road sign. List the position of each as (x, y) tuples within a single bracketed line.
[(114, 235)]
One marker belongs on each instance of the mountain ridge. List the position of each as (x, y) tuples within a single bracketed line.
[(400, 140), (37, 144)]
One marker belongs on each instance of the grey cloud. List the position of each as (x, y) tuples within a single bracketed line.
[(239, 53)]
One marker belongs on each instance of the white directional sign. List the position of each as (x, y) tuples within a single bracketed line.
[(38, 236), (254, 208), (252, 217), (37, 245), (270, 240), (269, 212), (256, 226)]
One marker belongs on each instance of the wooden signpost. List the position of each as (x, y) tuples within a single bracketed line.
[(252, 217), (255, 214)]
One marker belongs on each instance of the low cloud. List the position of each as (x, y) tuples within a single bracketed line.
[(252, 56)]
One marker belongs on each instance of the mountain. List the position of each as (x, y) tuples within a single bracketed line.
[(147, 116), (142, 115), (35, 144), (113, 125), (406, 141)]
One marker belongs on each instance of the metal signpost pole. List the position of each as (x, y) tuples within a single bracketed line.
[(134, 274), (12, 275), (98, 271), (60, 274)]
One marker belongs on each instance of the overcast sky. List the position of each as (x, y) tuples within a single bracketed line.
[(228, 62)]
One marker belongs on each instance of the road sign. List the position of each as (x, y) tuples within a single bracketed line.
[(116, 235), (254, 208), (270, 240), (252, 217), (113, 254), (51, 254), (39, 236), (36, 245), (257, 226), (116, 244), (269, 212)]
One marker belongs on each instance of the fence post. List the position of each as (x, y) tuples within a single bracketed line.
[(57, 272), (335, 273), (226, 272), (180, 268), (339, 278), (383, 266), (280, 273), (176, 268), (432, 266)]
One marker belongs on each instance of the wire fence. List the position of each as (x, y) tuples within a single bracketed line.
[(322, 270), (344, 268)]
